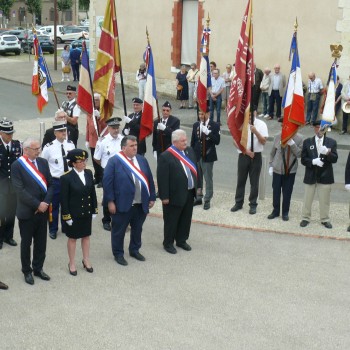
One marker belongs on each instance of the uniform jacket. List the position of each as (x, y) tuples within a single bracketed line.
[(5, 165), (172, 179), (119, 186), (78, 200), (313, 173), (134, 127), (162, 139), (29, 193), (49, 135), (91, 135)]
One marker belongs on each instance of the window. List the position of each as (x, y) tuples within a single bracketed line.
[(52, 14), (68, 15)]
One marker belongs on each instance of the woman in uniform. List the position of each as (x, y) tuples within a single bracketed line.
[(79, 207)]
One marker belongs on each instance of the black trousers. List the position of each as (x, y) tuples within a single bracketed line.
[(97, 168), (33, 230), (345, 122), (284, 183), (7, 215), (252, 167), (177, 221), (275, 97)]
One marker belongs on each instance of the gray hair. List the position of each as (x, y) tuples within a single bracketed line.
[(126, 138), (97, 95), (175, 136), (28, 141)]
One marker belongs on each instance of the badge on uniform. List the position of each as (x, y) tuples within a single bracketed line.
[(108, 153), (56, 161), (312, 147)]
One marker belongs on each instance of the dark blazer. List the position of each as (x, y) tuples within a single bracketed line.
[(134, 127), (162, 139), (172, 179), (78, 200), (205, 147), (29, 193), (119, 186), (313, 173)]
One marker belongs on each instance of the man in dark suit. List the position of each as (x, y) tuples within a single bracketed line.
[(31, 180), (162, 130), (133, 123), (10, 150), (129, 193), (177, 183), (205, 135), (318, 154)]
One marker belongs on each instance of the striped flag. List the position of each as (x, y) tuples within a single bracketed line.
[(150, 110), (238, 104), (293, 100), (41, 80), (204, 80), (85, 92), (108, 61)]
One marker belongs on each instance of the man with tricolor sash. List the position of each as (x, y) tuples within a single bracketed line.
[(129, 192)]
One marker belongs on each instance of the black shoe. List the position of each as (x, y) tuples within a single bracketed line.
[(280, 120), (197, 202), (73, 273), (252, 210), (184, 246), (11, 242), (171, 249), (206, 205), (28, 277), (285, 217), (3, 285), (99, 185), (303, 223), (236, 208), (120, 260), (138, 256), (272, 216), (327, 224), (42, 275), (88, 269), (342, 132), (53, 235), (107, 226)]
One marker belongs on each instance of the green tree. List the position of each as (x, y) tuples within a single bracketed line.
[(5, 7), (64, 5), (84, 6), (34, 7)]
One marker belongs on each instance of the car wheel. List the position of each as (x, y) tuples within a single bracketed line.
[(59, 40), (17, 52)]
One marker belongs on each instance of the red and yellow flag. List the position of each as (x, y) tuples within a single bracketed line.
[(107, 62)]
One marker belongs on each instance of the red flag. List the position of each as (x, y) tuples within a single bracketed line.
[(108, 61), (238, 106)]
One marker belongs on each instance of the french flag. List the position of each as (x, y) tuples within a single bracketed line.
[(150, 110), (85, 95), (293, 100)]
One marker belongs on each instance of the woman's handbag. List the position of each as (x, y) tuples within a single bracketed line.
[(66, 69)]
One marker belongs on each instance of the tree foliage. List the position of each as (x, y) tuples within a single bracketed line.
[(5, 7), (84, 5), (63, 5), (34, 6)]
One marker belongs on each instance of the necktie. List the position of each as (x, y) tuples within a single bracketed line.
[(189, 177), (137, 198), (8, 150), (34, 163), (65, 165)]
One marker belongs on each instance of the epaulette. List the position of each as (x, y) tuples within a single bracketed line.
[(69, 141), (49, 144)]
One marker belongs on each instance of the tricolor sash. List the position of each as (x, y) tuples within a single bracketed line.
[(32, 170), (137, 172), (183, 159)]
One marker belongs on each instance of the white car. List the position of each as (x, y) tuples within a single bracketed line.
[(10, 43), (71, 33)]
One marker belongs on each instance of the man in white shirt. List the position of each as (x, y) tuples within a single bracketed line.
[(278, 83), (215, 98), (315, 90), (192, 78)]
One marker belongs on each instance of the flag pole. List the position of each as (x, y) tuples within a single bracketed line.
[(121, 69)]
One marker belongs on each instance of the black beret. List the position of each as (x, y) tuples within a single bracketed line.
[(167, 104), (137, 100), (71, 88), (77, 154)]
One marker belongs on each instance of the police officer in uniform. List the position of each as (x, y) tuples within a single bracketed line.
[(10, 150), (55, 153), (72, 113), (108, 147), (133, 123)]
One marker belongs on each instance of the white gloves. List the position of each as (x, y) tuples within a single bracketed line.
[(347, 187), (323, 150), (87, 145), (290, 142), (206, 130), (69, 222), (127, 120), (97, 114), (155, 154), (270, 170), (318, 162), (94, 216), (161, 126), (126, 132)]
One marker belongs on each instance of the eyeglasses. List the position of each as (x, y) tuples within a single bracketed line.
[(34, 149), (166, 110)]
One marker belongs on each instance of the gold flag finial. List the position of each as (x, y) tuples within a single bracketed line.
[(336, 50), (208, 20), (296, 24)]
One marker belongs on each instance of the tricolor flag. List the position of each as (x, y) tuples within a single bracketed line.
[(108, 61), (204, 80), (293, 100), (41, 80), (238, 104), (328, 115), (150, 110), (85, 92)]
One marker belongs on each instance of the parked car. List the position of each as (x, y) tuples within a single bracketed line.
[(9, 43), (20, 34), (44, 41), (85, 28), (85, 22), (50, 30), (71, 33)]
